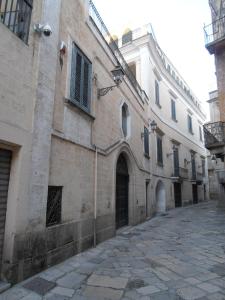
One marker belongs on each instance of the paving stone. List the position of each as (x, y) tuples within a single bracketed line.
[(32, 296), (190, 293), (71, 280), (63, 291), (106, 281), (208, 287), (100, 293), (39, 285), (51, 296), (148, 290), (14, 293), (192, 280)]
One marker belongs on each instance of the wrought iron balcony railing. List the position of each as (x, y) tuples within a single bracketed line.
[(214, 32), (214, 134), (113, 45)]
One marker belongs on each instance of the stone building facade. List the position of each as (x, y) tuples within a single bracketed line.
[(76, 165), (179, 176), (215, 130)]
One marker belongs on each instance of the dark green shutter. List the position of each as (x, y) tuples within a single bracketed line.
[(146, 141), (73, 73)]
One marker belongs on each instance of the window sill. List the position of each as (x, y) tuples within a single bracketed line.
[(159, 106), (72, 103), (175, 120), (159, 164)]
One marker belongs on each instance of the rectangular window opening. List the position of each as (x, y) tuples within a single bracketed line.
[(159, 151), (173, 110), (54, 205)]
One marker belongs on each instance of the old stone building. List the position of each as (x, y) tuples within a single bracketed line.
[(76, 160), (215, 130), (178, 155)]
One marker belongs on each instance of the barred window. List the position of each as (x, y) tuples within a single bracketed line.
[(80, 86), (54, 203), (16, 15), (146, 141)]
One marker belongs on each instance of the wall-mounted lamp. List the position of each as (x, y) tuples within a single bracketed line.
[(186, 162), (118, 75), (169, 154), (152, 126)]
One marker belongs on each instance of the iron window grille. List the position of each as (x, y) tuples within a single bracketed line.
[(193, 166), (16, 15), (80, 86), (146, 141), (159, 151), (54, 205)]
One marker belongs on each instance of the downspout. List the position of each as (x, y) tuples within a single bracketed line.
[(95, 194)]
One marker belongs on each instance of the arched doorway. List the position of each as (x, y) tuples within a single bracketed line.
[(122, 181), (160, 197)]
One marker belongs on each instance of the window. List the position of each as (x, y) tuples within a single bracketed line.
[(193, 166), (54, 202), (173, 110), (127, 37), (125, 119), (157, 93), (159, 150), (132, 67), (16, 15), (80, 87), (146, 141), (190, 128), (200, 134), (203, 167)]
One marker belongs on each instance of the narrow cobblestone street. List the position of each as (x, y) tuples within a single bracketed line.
[(180, 255)]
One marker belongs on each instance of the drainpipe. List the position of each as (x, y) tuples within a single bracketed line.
[(95, 193)]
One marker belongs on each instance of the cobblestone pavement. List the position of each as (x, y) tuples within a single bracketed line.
[(180, 255)]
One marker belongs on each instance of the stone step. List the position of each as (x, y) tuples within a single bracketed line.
[(4, 286)]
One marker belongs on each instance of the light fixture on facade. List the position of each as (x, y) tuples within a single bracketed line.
[(152, 126), (213, 158), (186, 162), (170, 154), (118, 75)]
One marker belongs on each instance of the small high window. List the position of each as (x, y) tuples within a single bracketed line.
[(16, 15), (54, 203), (80, 86), (132, 67)]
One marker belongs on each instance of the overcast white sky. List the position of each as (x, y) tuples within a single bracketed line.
[(178, 26)]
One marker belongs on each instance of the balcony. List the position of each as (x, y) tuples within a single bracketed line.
[(179, 174), (214, 135), (215, 35)]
